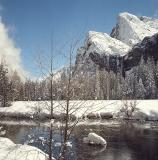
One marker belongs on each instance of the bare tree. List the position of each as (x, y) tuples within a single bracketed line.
[(129, 107)]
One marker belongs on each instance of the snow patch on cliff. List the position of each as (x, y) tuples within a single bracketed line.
[(102, 43)]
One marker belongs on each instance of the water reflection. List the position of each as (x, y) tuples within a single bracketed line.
[(124, 142)]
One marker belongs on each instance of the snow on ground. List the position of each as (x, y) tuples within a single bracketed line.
[(12, 151), (80, 108), (77, 108)]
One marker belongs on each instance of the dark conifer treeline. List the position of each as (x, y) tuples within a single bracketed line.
[(139, 83)]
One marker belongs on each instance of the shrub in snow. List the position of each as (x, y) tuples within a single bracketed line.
[(93, 116), (93, 138), (129, 108), (62, 117), (140, 116), (106, 115)]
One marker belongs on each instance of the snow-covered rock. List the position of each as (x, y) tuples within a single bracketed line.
[(59, 144), (11, 151), (131, 29), (69, 144), (93, 138), (2, 132)]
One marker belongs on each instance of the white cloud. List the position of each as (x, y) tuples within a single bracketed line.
[(9, 53)]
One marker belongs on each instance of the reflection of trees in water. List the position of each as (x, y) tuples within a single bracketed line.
[(11, 131), (123, 142), (19, 133), (143, 142)]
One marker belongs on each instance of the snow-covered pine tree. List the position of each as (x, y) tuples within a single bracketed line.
[(150, 85), (140, 93), (156, 78), (119, 86), (15, 86), (5, 89), (98, 88)]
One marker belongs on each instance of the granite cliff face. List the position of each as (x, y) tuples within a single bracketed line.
[(100, 50), (131, 38), (148, 47)]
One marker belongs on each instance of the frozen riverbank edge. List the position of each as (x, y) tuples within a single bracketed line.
[(145, 110)]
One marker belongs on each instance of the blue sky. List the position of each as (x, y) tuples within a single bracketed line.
[(31, 22)]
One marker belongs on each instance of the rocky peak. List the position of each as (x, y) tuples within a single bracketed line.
[(131, 29), (102, 43)]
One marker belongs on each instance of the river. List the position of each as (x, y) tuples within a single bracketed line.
[(125, 141)]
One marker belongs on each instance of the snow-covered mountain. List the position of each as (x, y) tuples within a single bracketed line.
[(131, 29), (108, 51)]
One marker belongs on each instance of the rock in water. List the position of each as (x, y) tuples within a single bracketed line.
[(93, 138)]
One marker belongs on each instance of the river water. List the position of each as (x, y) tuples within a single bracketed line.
[(125, 141)]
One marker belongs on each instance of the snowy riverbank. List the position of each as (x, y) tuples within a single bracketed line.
[(12, 151), (91, 109)]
